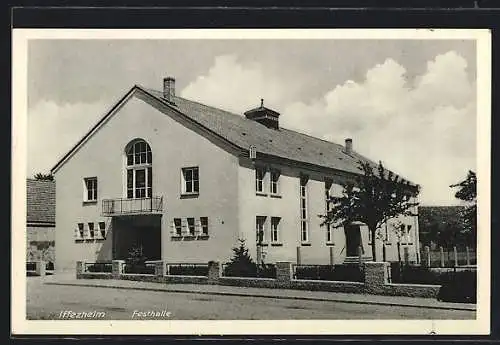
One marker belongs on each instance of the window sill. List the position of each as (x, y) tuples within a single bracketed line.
[(388, 243), (275, 196), (330, 243), (189, 195), (262, 244), (277, 244), (89, 202), (189, 237), (306, 244), (260, 193)]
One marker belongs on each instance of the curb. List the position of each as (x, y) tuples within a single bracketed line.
[(236, 294)]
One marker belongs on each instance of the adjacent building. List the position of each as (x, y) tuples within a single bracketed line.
[(40, 220), (185, 181)]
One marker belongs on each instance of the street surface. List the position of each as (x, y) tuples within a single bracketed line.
[(72, 302)]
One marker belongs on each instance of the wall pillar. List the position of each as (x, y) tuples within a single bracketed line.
[(117, 268), (214, 272), (40, 268), (467, 255), (284, 272), (159, 269), (299, 259), (80, 269), (376, 276), (455, 256)]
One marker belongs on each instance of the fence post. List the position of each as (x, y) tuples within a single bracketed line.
[(40, 268), (427, 258), (299, 259), (332, 256), (159, 269), (284, 272), (455, 256), (80, 269), (467, 255), (376, 276), (117, 268), (441, 255), (406, 255), (360, 255), (214, 272)]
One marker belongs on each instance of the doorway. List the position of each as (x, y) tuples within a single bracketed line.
[(353, 239)]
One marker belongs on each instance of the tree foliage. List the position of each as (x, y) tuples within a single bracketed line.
[(241, 263), (467, 192), (44, 177), (374, 197), (443, 226)]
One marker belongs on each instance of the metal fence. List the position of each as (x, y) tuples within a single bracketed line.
[(187, 269), (351, 273), (98, 267), (146, 268), (249, 271), (448, 257), (132, 206)]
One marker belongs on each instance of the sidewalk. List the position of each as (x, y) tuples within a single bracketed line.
[(69, 279)]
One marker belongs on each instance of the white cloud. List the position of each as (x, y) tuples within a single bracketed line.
[(53, 129), (235, 87), (422, 128)]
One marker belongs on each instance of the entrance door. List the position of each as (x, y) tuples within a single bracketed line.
[(353, 240)]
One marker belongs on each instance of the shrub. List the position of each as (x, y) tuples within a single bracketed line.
[(459, 287)]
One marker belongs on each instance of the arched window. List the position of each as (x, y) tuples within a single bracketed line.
[(139, 170)]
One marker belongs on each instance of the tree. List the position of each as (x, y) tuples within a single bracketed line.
[(374, 197), (241, 264), (44, 177), (467, 192)]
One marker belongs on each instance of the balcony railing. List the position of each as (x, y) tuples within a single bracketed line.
[(114, 207)]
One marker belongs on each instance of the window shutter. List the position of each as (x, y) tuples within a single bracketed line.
[(172, 228), (185, 228), (77, 233), (197, 227)]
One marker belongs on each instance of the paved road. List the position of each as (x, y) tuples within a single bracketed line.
[(47, 302)]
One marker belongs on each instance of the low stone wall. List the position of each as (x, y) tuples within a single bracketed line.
[(375, 280), (412, 290)]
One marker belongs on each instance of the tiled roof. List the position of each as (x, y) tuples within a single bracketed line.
[(284, 143), (41, 201)]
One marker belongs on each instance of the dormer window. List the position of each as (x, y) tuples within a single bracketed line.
[(263, 115)]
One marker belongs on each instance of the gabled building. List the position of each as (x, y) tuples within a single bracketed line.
[(185, 181), (40, 219)]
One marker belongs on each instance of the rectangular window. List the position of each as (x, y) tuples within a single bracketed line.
[(275, 175), (178, 226), (191, 227), (204, 225), (304, 229), (102, 229), (91, 230), (191, 181), (139, 183), (90, 193), (80, 232), (259, 179), (260, 229), (275, 222)]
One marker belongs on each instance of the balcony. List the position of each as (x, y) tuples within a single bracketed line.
[(117, 207)]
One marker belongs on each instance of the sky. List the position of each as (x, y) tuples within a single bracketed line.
[(409, 103)]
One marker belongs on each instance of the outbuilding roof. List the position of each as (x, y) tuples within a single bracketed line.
[(41, 202)]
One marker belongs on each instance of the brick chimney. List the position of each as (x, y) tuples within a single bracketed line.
[(348, 145), (169, 89)]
